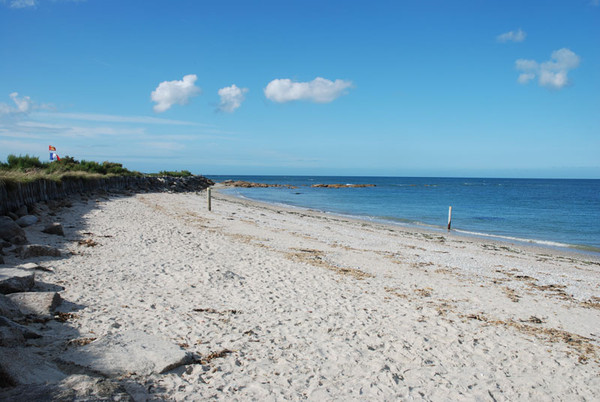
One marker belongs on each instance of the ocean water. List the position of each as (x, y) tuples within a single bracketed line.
[(561, 213)]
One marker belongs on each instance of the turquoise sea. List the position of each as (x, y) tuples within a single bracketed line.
[(552, 212)]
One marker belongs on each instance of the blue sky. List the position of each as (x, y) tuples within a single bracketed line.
[(395, 88)]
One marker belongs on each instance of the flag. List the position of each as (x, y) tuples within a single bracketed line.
[(54, 156), (51, 148)]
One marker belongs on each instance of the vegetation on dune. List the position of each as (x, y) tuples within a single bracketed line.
[(171, 173), (21, 169), (29, 168)]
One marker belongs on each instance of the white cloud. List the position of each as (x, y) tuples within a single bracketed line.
[(22, 3), (23, 105), (32, 3), (169, 93), (552, 73), (319, 90), (116, 119), (231, 98), (512, 36)]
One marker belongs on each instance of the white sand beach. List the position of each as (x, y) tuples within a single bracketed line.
[(277, 303)]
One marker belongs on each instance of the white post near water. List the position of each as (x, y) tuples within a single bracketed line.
[(449, 217), (208, 198)]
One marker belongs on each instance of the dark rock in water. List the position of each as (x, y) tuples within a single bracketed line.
[(1, 260), (16, 280), (9, 229), (22, 211), (55, 229), (249, 184), (27, 220), (36, 303), (22, 366), (37, 250), (12, 216)]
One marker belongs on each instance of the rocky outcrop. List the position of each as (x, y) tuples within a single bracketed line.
[(37, 250), (342, 185), (10, 230), (249, 184), (54, 229), (22, 366), (36, 303), (16, 280), (17, 196), (27, 220)]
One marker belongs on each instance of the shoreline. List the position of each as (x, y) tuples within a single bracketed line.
[(571, 250), (265, 302)]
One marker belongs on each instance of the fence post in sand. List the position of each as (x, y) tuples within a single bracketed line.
[(449, 217), (208, 198)]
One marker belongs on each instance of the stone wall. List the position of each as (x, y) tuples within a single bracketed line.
[(14, 195)]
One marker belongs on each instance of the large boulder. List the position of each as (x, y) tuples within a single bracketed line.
[(54, 229), (26, 332), (37, 250), (16, 280), (22, 366), (37, 303), (11, 337), (27, 220), (9, 230), (8, 308), (128, 352), (76, 387)]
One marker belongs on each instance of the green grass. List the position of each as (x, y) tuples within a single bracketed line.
[(24, 169), (183, 173)]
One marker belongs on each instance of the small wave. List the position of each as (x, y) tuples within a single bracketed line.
[(518, 239)]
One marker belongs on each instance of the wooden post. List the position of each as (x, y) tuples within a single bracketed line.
[(449, 217), (208, 198)]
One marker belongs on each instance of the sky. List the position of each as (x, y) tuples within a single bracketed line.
[(473, 88)]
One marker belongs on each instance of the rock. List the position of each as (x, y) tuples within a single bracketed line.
[(37, 303), (54, 229), (26, 332), (16, 280), (11, 337), (9, 229), (22, 211), (1, 260), (21, 366), (249, 184), (37, 250), (13, 216), (32, 266), (76, 387), (128, 352), (20, 239), (8, 308), (27, 220)]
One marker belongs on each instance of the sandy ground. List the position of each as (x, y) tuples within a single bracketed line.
[(289, 304)]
